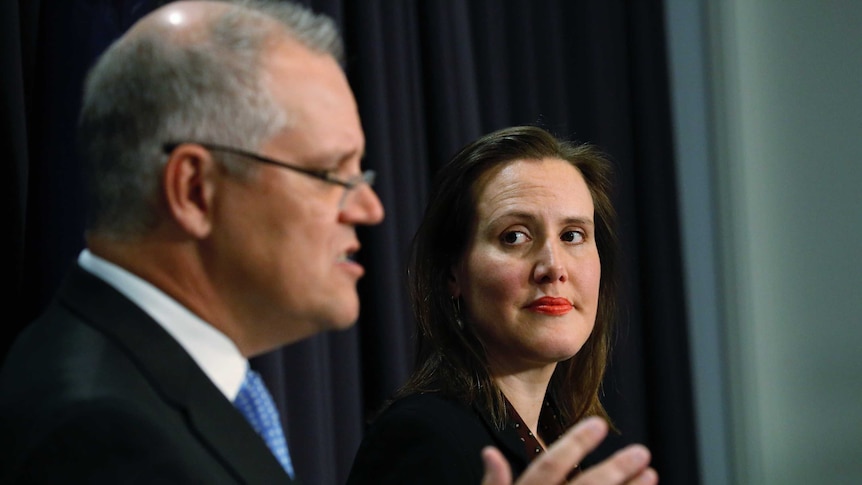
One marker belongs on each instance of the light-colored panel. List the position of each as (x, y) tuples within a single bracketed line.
[(686, 40), (789, 120)]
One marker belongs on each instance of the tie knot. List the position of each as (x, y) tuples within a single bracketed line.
[(253, 382)]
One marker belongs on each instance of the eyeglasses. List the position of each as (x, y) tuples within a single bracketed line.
[(366, 177)]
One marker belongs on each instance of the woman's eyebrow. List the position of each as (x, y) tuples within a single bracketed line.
[(516, 214)]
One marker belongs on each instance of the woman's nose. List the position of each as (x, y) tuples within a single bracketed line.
[(549, 267)]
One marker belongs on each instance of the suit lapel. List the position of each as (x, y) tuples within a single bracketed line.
[(182, 384)]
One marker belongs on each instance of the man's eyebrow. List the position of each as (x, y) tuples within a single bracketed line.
[(334, 162), (349, 156)]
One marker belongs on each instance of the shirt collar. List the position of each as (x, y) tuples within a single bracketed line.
[(213, 351)]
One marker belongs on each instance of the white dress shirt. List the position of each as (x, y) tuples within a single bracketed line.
[(213, 351)]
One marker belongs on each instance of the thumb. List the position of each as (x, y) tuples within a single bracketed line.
[(497, 470)]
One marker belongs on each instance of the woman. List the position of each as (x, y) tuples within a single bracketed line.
[(512, 281)]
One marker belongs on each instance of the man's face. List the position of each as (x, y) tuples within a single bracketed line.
[(285, 239)]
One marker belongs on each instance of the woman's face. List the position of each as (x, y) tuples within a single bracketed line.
[(529, 280)]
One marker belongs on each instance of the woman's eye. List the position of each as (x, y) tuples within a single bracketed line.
[(513, 237), (572, 236)]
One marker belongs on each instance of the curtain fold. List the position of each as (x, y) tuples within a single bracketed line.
[(13, 124), (429, 77)]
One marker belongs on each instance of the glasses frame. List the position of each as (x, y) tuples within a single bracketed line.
[(366, 177)]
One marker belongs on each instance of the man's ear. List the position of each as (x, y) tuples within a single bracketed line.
[(189, 185)]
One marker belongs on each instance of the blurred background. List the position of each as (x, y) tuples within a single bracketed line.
[(735, 129)]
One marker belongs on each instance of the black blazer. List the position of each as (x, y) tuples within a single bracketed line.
[(95, 391), (429, 439)]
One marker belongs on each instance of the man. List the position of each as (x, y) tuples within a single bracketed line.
[(199, 256), (222, 146)]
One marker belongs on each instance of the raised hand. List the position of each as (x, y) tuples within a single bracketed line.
[(629, 466)]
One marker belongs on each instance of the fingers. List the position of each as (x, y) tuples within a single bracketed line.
[(629, 466), (497, 470), (646, 477), (573, 446), (568, 451)]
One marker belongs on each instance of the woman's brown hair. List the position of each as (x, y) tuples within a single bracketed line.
[(450, 359)]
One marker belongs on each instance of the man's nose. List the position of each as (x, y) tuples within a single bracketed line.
[(362, 206)]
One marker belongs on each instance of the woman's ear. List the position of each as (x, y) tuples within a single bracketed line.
[(189, 186), (454, 285)]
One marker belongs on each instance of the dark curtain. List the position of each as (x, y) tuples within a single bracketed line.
[(429, 77)]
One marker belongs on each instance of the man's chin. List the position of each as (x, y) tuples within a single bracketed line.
[(345, 316), (345, 321)]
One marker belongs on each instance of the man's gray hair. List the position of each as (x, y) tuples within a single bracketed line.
[(149, 89)]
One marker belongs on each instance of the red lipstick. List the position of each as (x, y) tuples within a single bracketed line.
[(551, 306)]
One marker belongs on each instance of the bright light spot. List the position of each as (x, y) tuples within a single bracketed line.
[(175, 18)]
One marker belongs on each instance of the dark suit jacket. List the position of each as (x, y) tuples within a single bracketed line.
[(95, 391), (428, 439)]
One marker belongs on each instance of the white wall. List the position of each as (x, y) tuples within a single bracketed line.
[(781, 132)]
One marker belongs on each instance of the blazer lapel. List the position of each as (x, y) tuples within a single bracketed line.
[(175, 375), (507, 440)]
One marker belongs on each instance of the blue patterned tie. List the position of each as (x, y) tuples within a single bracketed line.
[(255, 403)]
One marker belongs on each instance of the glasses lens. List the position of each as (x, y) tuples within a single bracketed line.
[(365, 178)]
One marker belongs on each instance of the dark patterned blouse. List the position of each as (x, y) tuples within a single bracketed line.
[(550, 430)]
